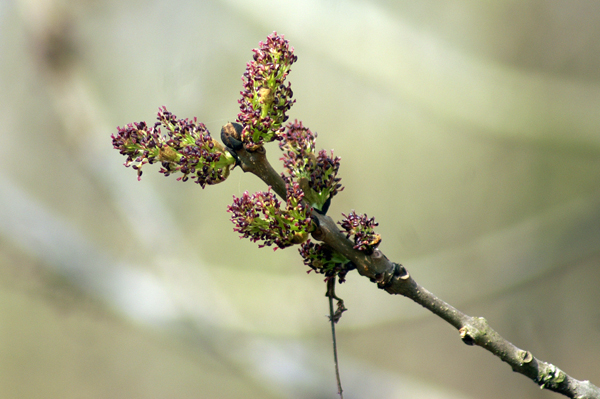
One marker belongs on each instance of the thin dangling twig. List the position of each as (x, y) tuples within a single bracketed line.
[(334, 316)]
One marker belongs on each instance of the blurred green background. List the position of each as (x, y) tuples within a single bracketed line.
[(469, 129)]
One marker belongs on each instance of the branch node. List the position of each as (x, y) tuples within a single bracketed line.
[(524, 357), (401, 271), (377, 254), (318, 233), (551, 377), (386, 279), (466, 336)]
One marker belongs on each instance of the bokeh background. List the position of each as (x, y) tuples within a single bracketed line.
[(470, 130)]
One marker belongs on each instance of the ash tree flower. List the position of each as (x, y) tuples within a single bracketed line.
[(265, 98), (360, 228), (324, 260), (316, 174), (260, 217), (186, 148)]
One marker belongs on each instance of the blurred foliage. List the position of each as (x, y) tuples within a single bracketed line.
[(479, 156)]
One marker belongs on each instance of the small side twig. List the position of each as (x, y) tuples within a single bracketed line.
[(334, 316)]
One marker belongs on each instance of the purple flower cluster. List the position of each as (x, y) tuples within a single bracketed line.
[(265, 98), (322, 259), (139, 143), (187, 148), (361, 228), (298, 146), (261, 218), (317, 175)]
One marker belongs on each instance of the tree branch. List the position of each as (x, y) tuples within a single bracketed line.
[(395, 279)]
